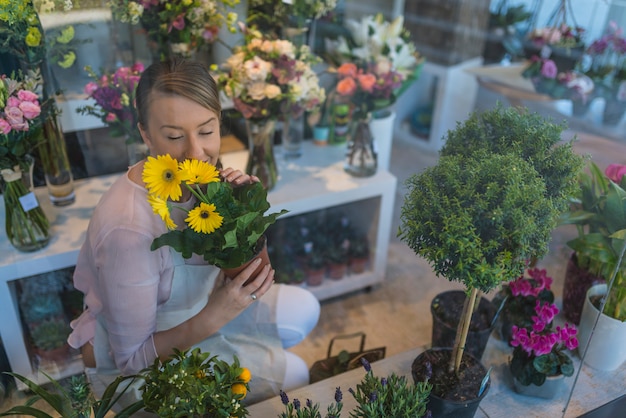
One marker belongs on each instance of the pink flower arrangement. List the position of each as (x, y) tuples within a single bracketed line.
[(540, 352), (114, 96), (19, 116)]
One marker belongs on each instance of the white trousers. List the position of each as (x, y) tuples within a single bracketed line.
[(297, 313)]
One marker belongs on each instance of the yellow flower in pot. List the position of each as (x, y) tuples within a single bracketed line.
[(225, 225), (478, 224)]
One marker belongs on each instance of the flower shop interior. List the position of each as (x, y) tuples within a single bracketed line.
[(445, 65)]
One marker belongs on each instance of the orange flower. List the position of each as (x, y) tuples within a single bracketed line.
[(348, 69), (367, 82), (346, 87)]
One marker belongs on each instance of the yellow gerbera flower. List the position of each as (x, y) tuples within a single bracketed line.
[(198, 172), (162, 177), (159, 206), (204, 218)]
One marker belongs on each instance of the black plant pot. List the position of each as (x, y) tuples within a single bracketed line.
[(463, 400), (447, 308)]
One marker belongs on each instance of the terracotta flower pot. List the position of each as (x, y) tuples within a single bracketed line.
[(265, 259), (315, 277), (337, 271)]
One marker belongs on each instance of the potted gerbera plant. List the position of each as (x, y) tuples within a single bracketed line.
[(480, 225), (225, 226)]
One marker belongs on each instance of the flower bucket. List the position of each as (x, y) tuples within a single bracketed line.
[(607, 345)]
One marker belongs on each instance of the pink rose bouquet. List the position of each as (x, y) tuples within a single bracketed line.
[(540, 351), (19, 120)]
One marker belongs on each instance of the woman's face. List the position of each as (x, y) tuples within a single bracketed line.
[(181, 128)]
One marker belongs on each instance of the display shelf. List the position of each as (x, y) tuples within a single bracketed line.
[(313, 182)]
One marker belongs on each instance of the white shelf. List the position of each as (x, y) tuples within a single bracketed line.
[(313, 182)]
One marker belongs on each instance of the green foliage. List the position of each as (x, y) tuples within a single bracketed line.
[(534, 370), (234, 243), (193, 383), (390, 397), (475, 222), (295, 409), (73, 403), (50, 334), (599, 212), (530, 136)]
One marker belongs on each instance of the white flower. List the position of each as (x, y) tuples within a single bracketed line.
[(256, 90), (257, 69), (272, 91)]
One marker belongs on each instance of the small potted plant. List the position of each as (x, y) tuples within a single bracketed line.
[(480, 225), (50, 339), (599, 213), (517, 299), (337, 258), (540, 362), (195, 384)]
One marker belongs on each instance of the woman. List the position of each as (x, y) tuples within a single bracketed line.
[(141, 304)]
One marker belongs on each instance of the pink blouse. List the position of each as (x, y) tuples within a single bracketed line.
[(124, 281)]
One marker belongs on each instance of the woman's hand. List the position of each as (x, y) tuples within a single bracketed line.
[(232, 296), (237, 177)]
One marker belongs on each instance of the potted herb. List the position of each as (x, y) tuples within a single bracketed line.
[(390, 397), (226, 224), (599, 213), (480, 225)]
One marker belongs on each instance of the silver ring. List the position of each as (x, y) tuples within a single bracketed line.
[(253, 296)]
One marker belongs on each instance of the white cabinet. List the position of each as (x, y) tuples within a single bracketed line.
[(313, 182)]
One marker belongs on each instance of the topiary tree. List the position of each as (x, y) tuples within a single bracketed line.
[(490, 204)]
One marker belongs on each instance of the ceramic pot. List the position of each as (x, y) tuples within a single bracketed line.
[(444, 329), (607, 346), (320, 135), (472, 370), (550, 388), (381, 127), (260, 252)]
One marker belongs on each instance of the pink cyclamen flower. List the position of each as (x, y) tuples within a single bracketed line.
[(137, 67), (548, 69), (5, 127), (615, 172), (521, 287)]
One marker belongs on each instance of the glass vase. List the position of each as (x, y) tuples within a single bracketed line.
[(261, 160), (26, 225), (361, 159), (56, 164), (292, 137)]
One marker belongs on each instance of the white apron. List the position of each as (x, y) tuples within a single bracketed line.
[(252, 336)]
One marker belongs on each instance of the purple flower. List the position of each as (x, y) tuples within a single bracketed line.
[(548, 69), (338, 394), (296, 404), (284, 398), (366, 364)]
